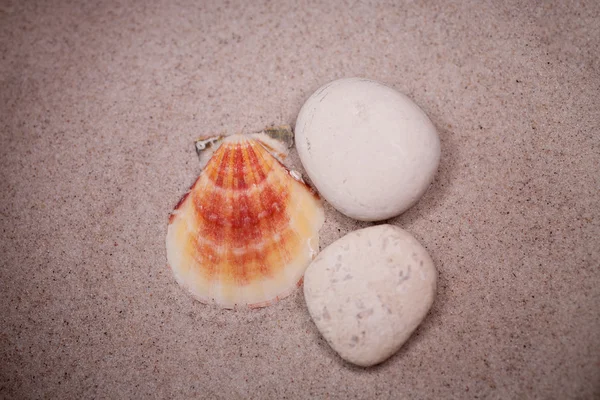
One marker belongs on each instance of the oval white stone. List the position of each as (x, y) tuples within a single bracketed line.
[(370, 151), (368, 291)]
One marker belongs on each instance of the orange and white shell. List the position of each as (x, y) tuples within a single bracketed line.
[(247, 229)]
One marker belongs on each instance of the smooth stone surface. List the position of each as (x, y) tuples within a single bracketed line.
[(368, 291), (370, 150)]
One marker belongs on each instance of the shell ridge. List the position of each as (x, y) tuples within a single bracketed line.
[(255, 266), (226, 270), (255, 163), (208, 197), (277, 177), (282, 233), (210, 227)]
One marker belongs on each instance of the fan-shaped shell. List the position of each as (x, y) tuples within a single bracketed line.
[(246, 230)]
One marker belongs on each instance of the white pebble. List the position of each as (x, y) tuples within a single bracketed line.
[(368, 291), (370, 151)]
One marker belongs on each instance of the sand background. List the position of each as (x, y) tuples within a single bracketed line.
[(99, 106)]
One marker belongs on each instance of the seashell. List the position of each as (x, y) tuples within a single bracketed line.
[(247, 229)]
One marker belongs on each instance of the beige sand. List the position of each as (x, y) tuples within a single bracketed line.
[(99, 107)]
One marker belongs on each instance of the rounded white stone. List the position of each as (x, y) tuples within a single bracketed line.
[(369, 150), (368, 291)]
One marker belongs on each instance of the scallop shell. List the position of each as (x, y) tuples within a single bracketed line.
[(247, 228)]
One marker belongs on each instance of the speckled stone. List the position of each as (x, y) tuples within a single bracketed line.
[(368, 291)]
